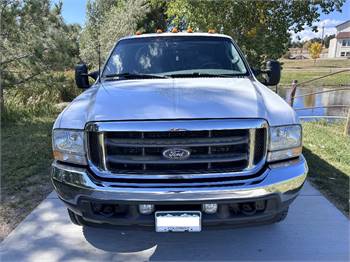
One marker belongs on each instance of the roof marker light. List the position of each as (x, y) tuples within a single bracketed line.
[(174, 30), (211, 31), (138, 33), (189, 30), (159, 31)]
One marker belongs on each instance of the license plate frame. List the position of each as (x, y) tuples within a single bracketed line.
[(178, 221)]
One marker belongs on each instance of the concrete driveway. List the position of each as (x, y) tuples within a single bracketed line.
[(314, 230)]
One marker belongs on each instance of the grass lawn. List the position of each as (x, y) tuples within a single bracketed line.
[(303, 70), (320, 64), (25, 166), (328, 154)]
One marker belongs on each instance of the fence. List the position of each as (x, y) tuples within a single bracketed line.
[(293, 95)]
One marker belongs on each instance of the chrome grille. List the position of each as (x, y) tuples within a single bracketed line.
[(212, 150)]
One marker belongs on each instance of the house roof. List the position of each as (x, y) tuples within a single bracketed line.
[(347, 21), (342, 35)]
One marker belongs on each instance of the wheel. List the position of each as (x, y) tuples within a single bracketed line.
[(75, 219), (281, 216)]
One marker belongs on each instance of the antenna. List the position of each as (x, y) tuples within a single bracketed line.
[(99, 44), (99, 59)]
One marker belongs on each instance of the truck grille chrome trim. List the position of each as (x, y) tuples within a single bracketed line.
[(218, 148), (102, 150), (252, 135)]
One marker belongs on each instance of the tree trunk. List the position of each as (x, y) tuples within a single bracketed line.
[(2, 105)]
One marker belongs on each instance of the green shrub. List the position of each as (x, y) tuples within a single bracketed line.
[(39, 98)]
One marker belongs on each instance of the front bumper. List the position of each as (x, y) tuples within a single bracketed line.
[(77, 189)]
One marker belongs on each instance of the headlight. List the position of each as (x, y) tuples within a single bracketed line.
[(285, 142), (68, 146)]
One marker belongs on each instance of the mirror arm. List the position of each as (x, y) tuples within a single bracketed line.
[(265, 71), (256, 71), (93, 75)]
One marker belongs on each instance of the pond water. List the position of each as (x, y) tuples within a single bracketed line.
[(322, 105)]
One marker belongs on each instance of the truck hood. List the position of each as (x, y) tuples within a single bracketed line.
[(180, 98)]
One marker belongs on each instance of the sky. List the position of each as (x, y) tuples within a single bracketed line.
[(74, 12)]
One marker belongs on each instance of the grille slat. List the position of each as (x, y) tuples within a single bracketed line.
[(160, 161), (176, 141)]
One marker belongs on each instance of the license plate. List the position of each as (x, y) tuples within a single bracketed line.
[(178, 221)]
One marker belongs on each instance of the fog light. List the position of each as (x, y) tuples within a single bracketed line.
[(146, 209), (210, 208)]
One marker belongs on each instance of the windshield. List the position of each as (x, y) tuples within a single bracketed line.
[(173, 56)]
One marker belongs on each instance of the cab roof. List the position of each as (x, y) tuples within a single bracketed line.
[(175, 34)]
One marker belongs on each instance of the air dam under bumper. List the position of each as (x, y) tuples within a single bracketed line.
[(76, 188)]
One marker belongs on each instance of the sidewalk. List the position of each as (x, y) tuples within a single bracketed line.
[(313, 230)]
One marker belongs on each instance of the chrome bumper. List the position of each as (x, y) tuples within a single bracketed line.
[(284, 180)]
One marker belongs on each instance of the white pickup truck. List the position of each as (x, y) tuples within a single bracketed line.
[(177, 133)]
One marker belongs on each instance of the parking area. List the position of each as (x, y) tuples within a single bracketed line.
[(313, 230)]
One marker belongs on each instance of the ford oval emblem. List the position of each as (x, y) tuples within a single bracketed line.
[(176, 153)]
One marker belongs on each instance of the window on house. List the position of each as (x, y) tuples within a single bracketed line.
[(347, 54), (346, 42), (342, 54)]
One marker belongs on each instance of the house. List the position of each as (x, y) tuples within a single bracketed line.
[(340, 45)]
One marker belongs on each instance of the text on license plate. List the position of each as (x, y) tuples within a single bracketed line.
[(178, 221)]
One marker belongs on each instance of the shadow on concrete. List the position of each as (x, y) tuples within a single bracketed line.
[(331, 181), (314, 230), (209, 245)]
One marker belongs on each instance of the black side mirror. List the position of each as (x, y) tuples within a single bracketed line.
[(81, 76), (273, 73)]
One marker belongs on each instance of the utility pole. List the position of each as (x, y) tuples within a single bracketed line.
[(322, 41)]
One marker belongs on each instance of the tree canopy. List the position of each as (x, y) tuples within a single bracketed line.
[(261, 28), (315, 50), (109, 20), (34, 40)]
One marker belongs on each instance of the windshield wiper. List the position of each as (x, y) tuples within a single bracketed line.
[(197, 74), (133, 76)]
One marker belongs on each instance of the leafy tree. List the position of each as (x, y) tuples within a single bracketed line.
[(107, 21), (34, 41), (90, 37), (316, 39), (327, 39), (307, 44), (261, 28), (155, 18), (296, 44), (315, 50)]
